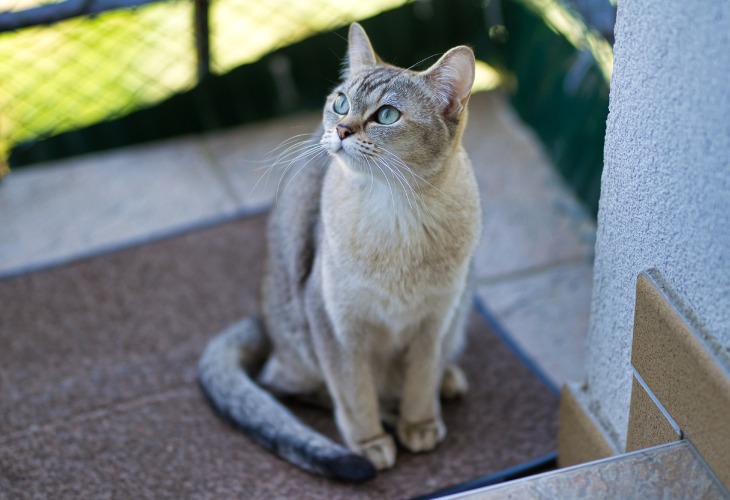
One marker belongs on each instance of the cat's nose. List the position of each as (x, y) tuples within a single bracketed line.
[(343, 130)]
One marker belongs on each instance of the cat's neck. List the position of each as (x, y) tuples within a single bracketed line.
[(388, 202)]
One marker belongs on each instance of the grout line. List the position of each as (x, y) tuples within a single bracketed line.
[(658, 404), (143, 239), (219, 173), (532, 271)]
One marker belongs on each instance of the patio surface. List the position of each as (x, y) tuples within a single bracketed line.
[(534, 264)]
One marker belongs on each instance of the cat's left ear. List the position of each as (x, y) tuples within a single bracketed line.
[(451, 79), (360, 53)]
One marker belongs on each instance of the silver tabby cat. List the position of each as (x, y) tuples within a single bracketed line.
[(366, 286)]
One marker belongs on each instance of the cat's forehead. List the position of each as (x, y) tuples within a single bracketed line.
[(374, 84)]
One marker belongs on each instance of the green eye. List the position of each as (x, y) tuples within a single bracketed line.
[(341, 105), (387, 115)]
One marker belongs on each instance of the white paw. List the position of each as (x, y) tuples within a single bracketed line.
[(379, 450), (453, 384), (423, 436)]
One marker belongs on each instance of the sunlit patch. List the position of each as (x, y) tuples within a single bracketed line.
[(560, 20), (485, 77), (84, 70)]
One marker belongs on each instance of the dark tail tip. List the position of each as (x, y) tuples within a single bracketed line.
[(350, 467)]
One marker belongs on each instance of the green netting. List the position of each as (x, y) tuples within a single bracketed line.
[(88, 69), (130, 76)]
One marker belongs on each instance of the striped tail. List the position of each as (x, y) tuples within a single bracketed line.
[(223, 376)]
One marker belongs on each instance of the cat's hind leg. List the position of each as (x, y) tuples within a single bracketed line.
[(453, 383), (288, 378)]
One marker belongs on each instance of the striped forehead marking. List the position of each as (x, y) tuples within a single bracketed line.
[(372, 80)]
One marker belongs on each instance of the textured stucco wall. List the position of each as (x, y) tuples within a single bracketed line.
[(665, 199)]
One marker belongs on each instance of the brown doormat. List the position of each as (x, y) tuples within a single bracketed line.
[(99, 398)]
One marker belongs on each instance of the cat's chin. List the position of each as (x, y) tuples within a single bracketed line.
[(346, 161)]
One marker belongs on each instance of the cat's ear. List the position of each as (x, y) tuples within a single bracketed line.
[(451, 79), (360, 53)]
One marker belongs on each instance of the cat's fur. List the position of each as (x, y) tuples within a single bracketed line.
[(366, 290)]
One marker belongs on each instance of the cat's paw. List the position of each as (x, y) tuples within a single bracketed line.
[(379, 450), (422, 436), (453, 384)]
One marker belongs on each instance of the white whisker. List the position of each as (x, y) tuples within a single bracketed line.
[(398, 164), (372, 177), (412, 172), (399, 177), (302, 150), (289, 141), (293, 150), (392, 196), (313, 154)]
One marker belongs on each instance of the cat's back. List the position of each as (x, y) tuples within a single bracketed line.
[(293, 226)]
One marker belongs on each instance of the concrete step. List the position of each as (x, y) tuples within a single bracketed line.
[(669, 471)]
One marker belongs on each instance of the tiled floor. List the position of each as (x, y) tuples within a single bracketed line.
[(534, 264)]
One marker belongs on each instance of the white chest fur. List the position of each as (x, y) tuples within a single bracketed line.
[(393, 258)]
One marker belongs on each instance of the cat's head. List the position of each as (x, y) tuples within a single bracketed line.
[(381, 114)]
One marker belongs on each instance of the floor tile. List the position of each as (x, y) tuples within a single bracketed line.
[(547, 315), (55, 212), (245, 156), (532, 223), (531, 219)]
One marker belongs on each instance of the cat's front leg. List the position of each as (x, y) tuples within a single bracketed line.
[(346, 370), (420, 427), (351, 384)]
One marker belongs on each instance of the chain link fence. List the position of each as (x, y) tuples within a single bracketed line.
[(68, 64)]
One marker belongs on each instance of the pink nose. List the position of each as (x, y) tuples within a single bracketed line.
[(343, 130)]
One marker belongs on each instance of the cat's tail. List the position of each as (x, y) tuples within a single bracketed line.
[(223, 376)]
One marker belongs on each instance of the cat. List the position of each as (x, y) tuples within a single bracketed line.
[(366, 287)]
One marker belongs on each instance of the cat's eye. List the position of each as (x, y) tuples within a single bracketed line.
[(341, 105), (387, 115)]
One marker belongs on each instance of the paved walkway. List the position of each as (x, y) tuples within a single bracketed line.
[(534, 264)]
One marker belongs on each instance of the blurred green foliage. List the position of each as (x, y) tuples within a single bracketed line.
[(85, 70), (136, 80)]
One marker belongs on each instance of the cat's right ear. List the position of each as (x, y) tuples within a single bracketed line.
[(451, 79), (360, 53)]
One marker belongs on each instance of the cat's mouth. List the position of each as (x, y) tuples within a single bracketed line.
[(346, 153), (353, 159)]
